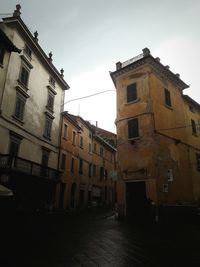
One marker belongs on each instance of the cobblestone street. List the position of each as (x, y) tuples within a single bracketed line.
[(92, 238)]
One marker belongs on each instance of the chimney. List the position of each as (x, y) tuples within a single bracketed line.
[(118, 65)]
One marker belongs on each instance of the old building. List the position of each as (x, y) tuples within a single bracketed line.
[(158, 136), (31, 101), (88, 162)]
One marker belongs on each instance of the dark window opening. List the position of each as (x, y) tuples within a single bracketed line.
[(63, 160), (80, 166), (94, 170), (50, 101), (72, 165), (2, 53), (48, 126), (24, 75), (45, 158), (133, 130), (27, 51), (20, 106), (168, 98), (198, 161), (101, 173), (194, 129), (90, 170), (131, 92)]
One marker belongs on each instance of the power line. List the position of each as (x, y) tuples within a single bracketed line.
[(88, 96)]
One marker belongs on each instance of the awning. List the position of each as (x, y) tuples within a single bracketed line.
[(4, 191)]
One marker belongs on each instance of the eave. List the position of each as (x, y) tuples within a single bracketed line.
[(18, 23), (8, 43), (192, 101), (157, 67)]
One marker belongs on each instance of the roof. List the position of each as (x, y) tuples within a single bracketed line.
[(8, 43), (17, 22), (147, 58), (91, 127), (192, 101), (71, 119)]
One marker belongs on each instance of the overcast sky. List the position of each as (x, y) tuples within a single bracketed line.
[(87, 38)]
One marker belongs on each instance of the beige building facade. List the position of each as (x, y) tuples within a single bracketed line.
[(31, 102)]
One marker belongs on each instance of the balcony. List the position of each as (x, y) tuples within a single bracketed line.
[(8, 162)]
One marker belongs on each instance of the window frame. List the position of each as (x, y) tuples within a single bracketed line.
[(80, 168), (63, 161), (131, 134), (24, 80), (20, 103), (50, 101), (65, 131), (73, 138), (168, 98), (194, 127), (48, 127), (131, 93)]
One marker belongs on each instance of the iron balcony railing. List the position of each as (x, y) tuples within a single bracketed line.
[(29, 167)]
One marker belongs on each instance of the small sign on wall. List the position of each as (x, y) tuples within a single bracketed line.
[(165, 188)]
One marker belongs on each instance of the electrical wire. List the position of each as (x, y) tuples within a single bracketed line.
[(88, 96)]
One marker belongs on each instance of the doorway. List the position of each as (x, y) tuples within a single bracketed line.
[(136, 200)]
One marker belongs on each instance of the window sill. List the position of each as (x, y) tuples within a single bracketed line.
[(195, 134), (22, 86), (132, 141), (50, 109), (65, 138), (132, 102), (169, 107), (47, 137), (18, 120)]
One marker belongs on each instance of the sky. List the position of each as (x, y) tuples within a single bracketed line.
[(88, 37)]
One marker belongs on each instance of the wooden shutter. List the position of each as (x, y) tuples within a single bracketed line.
[(131, 92), (133, 130)]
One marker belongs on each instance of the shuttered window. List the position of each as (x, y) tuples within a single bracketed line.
[(168, 98), (194, 129), (133, 130), (131, 91), (198, 161), (20, 106)]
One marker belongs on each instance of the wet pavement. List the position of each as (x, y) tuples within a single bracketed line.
[(93, 238)]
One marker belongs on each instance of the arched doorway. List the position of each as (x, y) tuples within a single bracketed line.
[(73, 195)]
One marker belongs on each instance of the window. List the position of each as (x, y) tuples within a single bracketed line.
[(101, 151), (50, 101), (94, 147), (90, 135), (198, 161), (133, 130), (45, 157), (90, 169), (106, 174), (20, 106), (72, 165), (14, 145), (90, 148), (94, 170), (65, 131), (24, 75), (131, 92), (80, 166), (81, 141), (74, 138), (2, 53), (194, 129), (168, 98), (47, 128), (52, 81), (101, 173), (27, 51), (63, 160)]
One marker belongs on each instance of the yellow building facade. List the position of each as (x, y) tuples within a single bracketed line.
[(87, 162), (158, 136)]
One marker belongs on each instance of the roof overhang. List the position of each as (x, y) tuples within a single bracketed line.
[(157, 67), (17, 22)]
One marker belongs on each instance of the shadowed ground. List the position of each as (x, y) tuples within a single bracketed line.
[(93, 238)]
